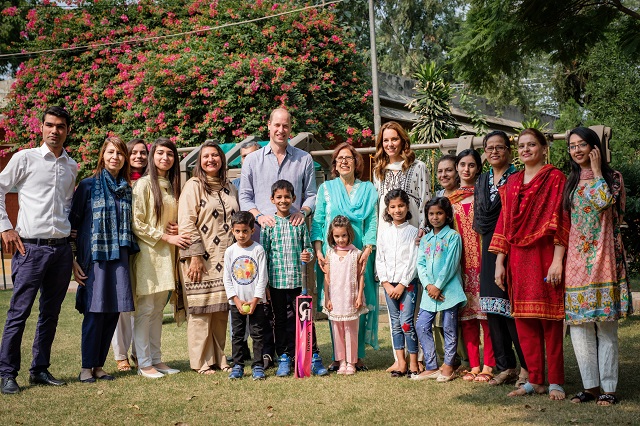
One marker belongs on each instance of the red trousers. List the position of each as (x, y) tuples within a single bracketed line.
[(471, 339), (535, 336)]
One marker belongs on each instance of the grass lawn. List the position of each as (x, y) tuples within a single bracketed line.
[(367, 398)]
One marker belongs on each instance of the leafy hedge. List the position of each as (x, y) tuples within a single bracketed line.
[(219, 83)]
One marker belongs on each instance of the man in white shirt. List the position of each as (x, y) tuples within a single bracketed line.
[(45, 178)]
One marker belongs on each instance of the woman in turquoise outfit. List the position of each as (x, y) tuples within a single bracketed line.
[(347, 195)]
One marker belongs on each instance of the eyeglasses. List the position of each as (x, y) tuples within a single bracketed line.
[(582, 146), (346, 159), (499, 148)]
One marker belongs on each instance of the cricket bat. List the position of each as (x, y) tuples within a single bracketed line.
[(303, 330)]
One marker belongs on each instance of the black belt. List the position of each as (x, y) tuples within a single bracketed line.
[(46, 241)]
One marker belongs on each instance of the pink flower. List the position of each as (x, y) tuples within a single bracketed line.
[(10, 11), (124, 18), (367, 133)]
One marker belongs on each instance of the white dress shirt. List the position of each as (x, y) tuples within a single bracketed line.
[(45, 187), (397, 253)]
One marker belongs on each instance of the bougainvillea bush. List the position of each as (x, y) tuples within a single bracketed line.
[(211, 83)]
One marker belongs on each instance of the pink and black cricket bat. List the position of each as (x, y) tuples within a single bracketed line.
[(303, 329)]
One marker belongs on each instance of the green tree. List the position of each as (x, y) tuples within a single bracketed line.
[(500, 40), (408, 32)]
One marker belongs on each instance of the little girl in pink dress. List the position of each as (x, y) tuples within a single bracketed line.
[(344, 287)]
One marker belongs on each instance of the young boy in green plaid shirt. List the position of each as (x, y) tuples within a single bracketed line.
[(286, 247)]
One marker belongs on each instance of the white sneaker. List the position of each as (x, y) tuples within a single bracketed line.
[(155, 375)]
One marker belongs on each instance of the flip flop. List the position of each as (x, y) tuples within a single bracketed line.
[(557, 388), (503, 378), (583, 397), (483, 377), (396, 373), (469, 376), (607, 399)]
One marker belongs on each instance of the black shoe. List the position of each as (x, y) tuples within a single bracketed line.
[(45, 378), (107, 377), (10, 386), (89, 380)]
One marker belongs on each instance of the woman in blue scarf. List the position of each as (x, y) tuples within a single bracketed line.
[(101, 216), (347, 195)]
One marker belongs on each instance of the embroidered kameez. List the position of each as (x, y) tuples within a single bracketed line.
[(206, 218), (531, 223)]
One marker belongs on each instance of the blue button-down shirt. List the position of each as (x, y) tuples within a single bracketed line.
[(260, 170)]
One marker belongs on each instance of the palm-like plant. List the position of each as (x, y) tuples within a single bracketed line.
[(432, 105)]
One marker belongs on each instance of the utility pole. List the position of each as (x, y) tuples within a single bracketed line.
[(374, 69)]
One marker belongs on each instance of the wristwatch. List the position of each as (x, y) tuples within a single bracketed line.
[(304, 213)]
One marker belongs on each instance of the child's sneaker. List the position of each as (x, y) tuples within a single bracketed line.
[(258, 373), (237, 372), (316, 366), (284, 366)]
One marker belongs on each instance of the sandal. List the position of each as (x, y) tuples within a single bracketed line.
[(505, 377), (469, 376), (607, 399), (483, 377), (528, 390), (123, 365), (396, 373), (581, 397), (351, 370), (556, 388), (522, 379), (207, 371)]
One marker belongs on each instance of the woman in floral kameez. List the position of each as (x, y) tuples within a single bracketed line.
[(596, 289)]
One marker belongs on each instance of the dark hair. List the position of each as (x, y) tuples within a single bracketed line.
[(243, 218), (381, 159), (250, 144), (340, 222), (122, 149), (59, 112), (537, 134), (476, 158), (392, 195), (446, 157), (201, 175), (132, 144), (592, 138), (282, 184), (498, 133), (358, 164), (444, 204), (173, 175)]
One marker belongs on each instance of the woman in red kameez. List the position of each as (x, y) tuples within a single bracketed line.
[(533, 231), (469, 166)]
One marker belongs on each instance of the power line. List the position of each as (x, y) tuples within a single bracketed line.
[(145, 39)]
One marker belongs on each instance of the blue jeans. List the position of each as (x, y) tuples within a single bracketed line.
[(425, 335), (401, 319)]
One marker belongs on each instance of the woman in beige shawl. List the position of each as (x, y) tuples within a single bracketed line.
[(207, 202)]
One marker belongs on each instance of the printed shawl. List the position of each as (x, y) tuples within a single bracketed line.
[(107, 235)]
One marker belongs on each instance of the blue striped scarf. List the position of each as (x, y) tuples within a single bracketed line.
[(107, 236)]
